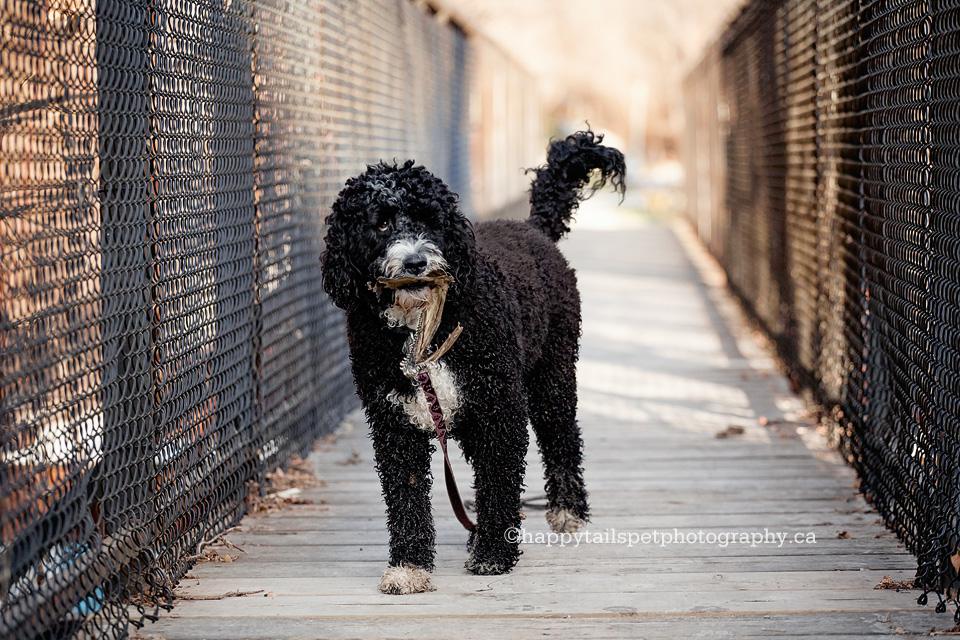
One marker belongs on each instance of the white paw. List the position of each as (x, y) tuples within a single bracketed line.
[(563, 521), (405, 579)]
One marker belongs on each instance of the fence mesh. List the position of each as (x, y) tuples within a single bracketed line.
[(838, 168), (164, 170)]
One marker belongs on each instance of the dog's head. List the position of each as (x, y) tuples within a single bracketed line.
[(390, 222)]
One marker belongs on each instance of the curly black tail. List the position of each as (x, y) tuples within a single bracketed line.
[(556, 191)]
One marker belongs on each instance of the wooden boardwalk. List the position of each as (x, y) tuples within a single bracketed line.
[(667, 363)]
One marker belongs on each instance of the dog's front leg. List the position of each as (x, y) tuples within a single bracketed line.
[(403, 462), (496, 445)]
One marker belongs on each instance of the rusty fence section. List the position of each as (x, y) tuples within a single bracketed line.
[(823, 156), (165, 166)]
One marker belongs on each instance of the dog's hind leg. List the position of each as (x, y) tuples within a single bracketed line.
[(403, 462), (552, 397)]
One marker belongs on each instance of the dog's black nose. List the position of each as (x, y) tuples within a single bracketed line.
[(414, 264)]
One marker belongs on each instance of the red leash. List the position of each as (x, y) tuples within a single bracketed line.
[(423, 379)]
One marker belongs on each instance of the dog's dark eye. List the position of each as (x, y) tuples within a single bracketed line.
[(383, 226)]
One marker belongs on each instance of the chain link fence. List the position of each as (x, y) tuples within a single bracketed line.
[(164, 340), (823, 155)]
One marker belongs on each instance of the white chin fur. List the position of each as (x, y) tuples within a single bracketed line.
[(405, 579), (406, 308), (397, 317)]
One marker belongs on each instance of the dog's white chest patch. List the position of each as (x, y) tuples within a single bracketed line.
[(415, 404)]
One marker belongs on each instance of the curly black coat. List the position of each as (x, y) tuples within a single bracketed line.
[(516, 297)]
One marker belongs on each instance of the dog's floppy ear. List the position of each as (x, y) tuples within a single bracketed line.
[(342, 277)]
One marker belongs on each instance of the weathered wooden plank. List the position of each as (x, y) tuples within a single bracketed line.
[(322, 522), (444, 602), (709, 467), (644, 481), (453, 548), (642, 506), (521, 583), (618, 498), (660, 450), (836, 626), (305, 566), (604, 541)]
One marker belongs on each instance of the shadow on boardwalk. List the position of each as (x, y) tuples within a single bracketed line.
[(667, 363)]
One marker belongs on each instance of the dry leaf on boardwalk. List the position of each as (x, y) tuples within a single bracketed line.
[(284, 487), (899, 585), (732, 430)]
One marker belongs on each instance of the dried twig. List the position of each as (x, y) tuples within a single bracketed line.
[(219, 538), (229, 594), (211, 555)]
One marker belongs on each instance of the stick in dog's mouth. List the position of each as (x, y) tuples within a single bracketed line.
[(430, 292), (432, 279)]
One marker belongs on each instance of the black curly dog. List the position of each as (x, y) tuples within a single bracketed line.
[(516, 298)]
